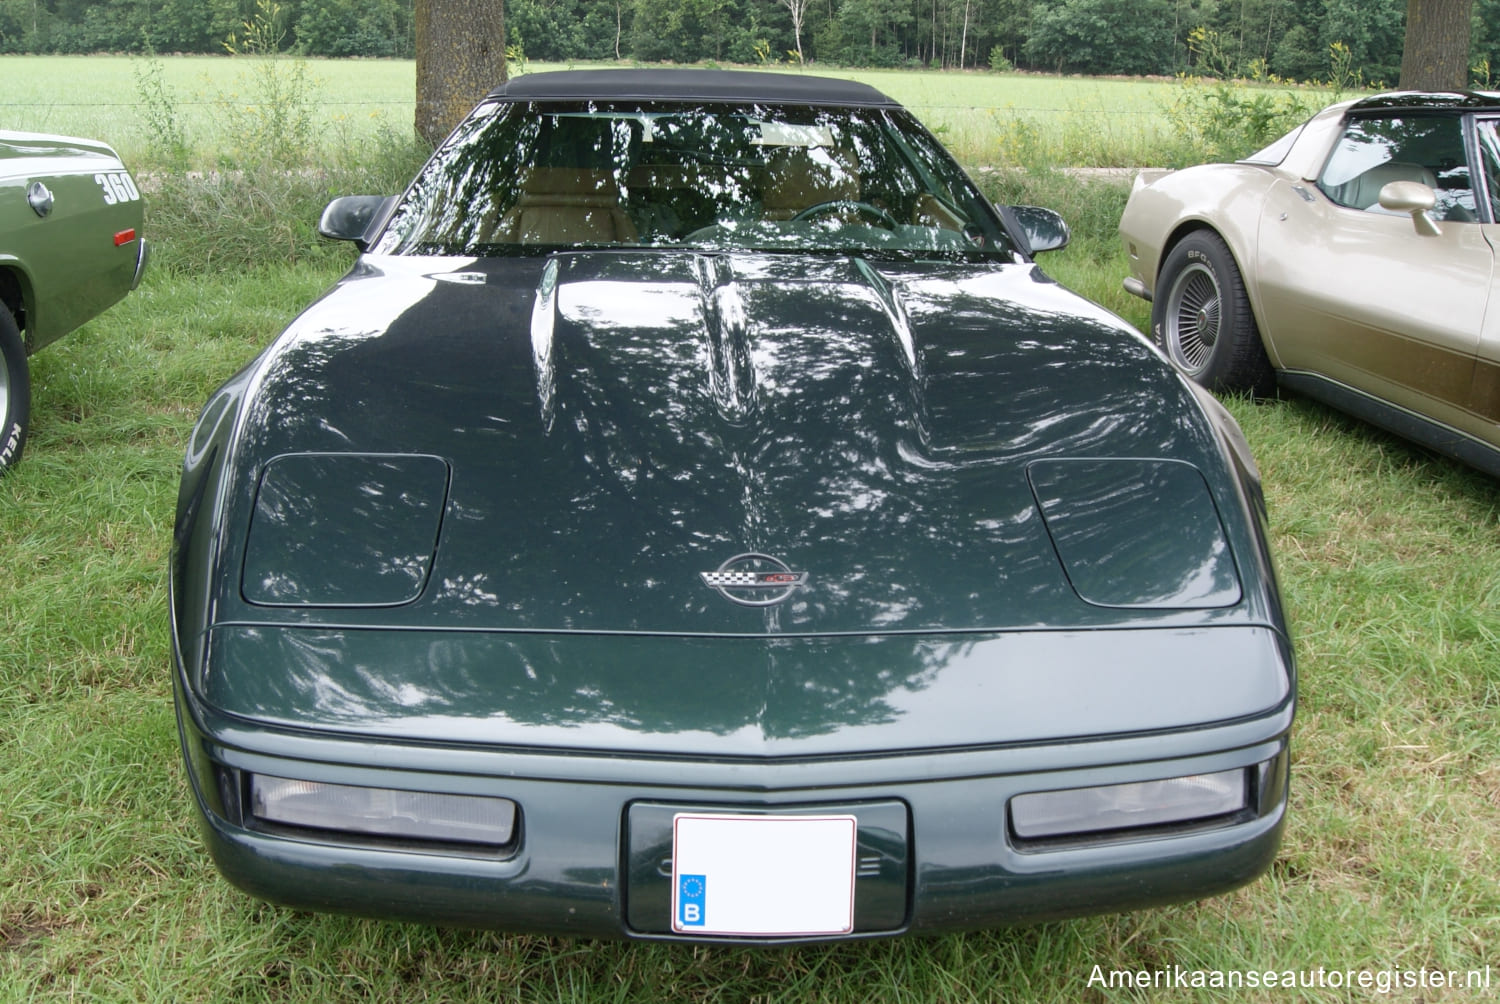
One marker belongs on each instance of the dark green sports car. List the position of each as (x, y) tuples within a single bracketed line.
[(695, 517)]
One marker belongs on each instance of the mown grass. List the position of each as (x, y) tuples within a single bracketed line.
[(1390, 563), (101, 97), (986, 118)]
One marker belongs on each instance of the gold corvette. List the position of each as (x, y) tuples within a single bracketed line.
[(1353, 260)]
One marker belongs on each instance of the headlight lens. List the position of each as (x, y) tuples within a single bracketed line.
[(383, 812), (1044, 814)]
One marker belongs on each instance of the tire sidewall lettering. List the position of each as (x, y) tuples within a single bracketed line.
[(11, 444), (15, 412)]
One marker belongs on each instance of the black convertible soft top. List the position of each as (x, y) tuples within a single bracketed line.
[(1428, 101), (734, 86)]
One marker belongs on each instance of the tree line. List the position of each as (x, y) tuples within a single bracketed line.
[(1291, 39)]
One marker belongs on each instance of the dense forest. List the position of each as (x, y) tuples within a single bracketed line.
[(1287, 38)]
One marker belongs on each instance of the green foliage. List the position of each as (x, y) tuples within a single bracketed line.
[(1092, 209), (1221, 120), (1288, 37), (261, 34), (1373, 32), (1479, 75), (867, 33), (1103, 36), (1297, 56), (157, 108), (998, 60), (567, 30), (516, 62), (260, 214), (270, 114), (684, 31), (353, 28), (1484, 43), (1218, 118), (1020, 143)]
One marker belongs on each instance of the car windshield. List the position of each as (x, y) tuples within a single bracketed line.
[(518, 178), (1277, 151)]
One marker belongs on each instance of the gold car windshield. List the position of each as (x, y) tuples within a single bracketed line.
[(518, 177)]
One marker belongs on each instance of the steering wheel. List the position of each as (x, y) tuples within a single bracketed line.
[(865, 209)]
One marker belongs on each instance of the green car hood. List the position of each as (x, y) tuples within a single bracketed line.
[(569, 444), (526, 466)]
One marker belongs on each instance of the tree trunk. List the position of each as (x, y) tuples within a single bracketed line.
[(460, 58), (1436, 55), (937, 57), (798, 10), (963, 42)]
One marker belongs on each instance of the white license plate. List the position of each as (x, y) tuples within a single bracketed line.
[(763, 876)]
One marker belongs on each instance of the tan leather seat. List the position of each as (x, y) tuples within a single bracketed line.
[(566, 205), (1363, 190), (798, 178)]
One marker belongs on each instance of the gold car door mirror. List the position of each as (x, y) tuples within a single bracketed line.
[(1411, 197)]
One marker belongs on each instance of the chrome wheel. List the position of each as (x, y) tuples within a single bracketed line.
[(1201, 318), (1193, 317)]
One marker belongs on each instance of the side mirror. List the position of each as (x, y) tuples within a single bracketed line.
[(355, 218), (1045, 229), (1411, 197)]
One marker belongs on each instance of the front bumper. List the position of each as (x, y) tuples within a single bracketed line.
[(936, 849)]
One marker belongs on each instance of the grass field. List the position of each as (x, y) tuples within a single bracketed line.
[(1390, 563), (1065, 120)]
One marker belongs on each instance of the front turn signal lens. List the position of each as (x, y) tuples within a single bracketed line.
[(383, 812), (1078, 811)]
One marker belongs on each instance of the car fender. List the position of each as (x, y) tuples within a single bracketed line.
[(198, 528), (1226, 199), (71, 221)]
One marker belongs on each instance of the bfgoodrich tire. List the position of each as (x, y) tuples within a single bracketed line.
[(1201, 318), (15, 392)]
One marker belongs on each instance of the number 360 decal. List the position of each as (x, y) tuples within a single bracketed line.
[(118, 187)]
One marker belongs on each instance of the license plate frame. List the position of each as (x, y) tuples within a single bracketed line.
[(763, 875)]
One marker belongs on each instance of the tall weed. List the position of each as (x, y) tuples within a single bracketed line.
[(1221, 117), (1225, 120), (273, 170), (269, 118), (157, 108)]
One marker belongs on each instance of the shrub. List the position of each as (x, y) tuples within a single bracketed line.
[(265, 215)]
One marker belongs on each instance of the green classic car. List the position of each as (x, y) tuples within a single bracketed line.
[(70, 247), (696, 517)]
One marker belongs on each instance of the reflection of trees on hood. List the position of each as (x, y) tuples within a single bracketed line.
[(785, 688), (871, 432)]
